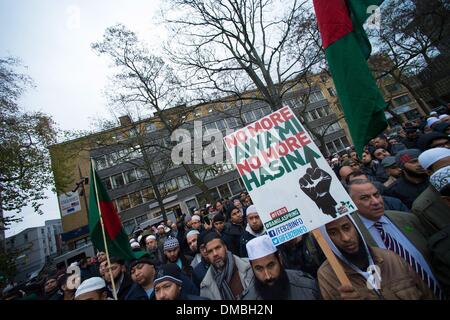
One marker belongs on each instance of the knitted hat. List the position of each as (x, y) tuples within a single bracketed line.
[(218, 217), (260, 247), (168, 272), (441, 178), (171, 243), (191, 233), (90, 285)]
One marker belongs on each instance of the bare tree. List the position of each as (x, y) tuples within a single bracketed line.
[(247, 50), (411, 33), (145, 81)]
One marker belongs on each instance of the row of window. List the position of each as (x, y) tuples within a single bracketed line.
[(147, 194), (337, 145), (121, 179), (229, 189), (399, 101), (331, 128)]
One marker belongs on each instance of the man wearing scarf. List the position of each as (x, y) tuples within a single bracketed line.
[(228, 276), (374, 273), (253, 229)]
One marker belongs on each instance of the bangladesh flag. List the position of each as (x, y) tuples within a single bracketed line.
[(116, 238), (347, 49)]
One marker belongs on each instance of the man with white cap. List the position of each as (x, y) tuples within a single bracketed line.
[(429, 207), (253, 229), (162, 236), (92, 289), (191, 238), (151, 245), (272, 281)]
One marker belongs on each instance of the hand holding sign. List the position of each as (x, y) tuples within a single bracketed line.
[(316, 185)]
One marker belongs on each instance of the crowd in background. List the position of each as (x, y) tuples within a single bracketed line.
[(400, 186)]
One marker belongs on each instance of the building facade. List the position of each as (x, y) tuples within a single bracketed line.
[(36, 246), (123, 166)]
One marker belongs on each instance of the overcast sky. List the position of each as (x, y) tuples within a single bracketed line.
[(52, 38)]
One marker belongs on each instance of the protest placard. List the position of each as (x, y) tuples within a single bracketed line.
[(289, 180)]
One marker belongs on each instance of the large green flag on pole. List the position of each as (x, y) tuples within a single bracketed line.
[(101, 207), (347, 49)]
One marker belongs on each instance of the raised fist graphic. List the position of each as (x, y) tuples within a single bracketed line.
[(316, 185)]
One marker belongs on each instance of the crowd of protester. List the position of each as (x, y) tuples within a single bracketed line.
[(399, 237)]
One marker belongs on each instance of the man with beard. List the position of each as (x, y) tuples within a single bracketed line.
[(143, 273), (201, 268), (228, 276), (400, 232), (381, 141), (51, 288), (125, 288), (272, 281), (414, 180), (152, 248), (254, 229), (374, 273), (429, 207), (191, 239), (173, 254)]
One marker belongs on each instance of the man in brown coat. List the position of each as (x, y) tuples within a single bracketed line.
[(374, 273)]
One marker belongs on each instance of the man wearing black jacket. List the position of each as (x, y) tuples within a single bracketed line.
[(125, 287), (234, 230)]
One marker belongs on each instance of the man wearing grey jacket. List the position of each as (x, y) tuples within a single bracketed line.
[(272, 281)]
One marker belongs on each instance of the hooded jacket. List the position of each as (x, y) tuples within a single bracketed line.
[(395, 279)]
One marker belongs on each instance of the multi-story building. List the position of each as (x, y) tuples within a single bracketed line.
[(120, 164), (35, 246)]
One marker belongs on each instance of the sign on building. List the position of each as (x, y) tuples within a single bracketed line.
[(69, 203), (290, 182)]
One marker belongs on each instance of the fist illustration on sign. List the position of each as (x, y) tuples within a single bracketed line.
[(316, 185)]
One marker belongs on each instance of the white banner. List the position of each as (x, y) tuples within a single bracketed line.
[(290, 182)]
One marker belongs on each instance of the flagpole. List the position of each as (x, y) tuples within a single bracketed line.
[(103, 231)]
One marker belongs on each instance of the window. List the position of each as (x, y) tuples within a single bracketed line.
[(101, 163), (210, 127), (107, 183), (314, 115), (221, 125), (141, 219), (331, 148), (183, 181), (316, 96), (135, 199), (141, 173), (338, 144), (393, 87), (235, 187), (321, 112), (224, 191), (117, 181), (258, 113), (332, 92), (249, 117), (266, 110), (171, 185), (402, 100), (191, 204), (232, 123), (129, 226), (130, 176), (148, 194), (113, 158), (326, 109), (345, 141), (123, 203), (25, 236)]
